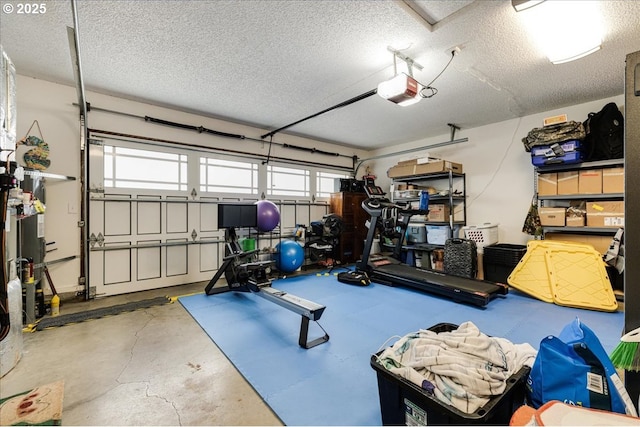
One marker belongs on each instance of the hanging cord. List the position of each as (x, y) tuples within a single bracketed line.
[(35, 122), (428, 86), (499, 167), (266, 162)]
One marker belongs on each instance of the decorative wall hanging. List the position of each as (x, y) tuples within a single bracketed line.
[(36, 157)]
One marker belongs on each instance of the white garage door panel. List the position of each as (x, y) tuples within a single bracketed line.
[(210, 256), (167, 230), (149, 218), (317, 212), (151, 221), (148, 263), (287, 216), (117, 218), (302, 215), (177, 259), (208, 217), (117, 266), (177, 217)]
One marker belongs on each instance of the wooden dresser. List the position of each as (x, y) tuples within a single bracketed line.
[(349, 206)]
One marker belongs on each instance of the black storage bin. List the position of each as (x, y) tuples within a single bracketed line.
[(402, 401), (616, 278), (500, 259)]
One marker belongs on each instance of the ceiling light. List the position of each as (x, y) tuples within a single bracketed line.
[(520, 5), (561, 59), (401, 89), (565, 30)]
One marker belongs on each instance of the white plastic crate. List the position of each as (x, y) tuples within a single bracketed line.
[(483, 235)]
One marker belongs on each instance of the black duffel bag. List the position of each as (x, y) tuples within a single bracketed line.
[(604, 134)]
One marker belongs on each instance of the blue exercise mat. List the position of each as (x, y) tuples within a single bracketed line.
[(333, 383)]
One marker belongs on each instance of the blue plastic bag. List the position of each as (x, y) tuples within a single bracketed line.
[(575, 369)]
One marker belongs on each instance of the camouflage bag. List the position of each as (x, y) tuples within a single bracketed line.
[(532, 224), (551, 134)]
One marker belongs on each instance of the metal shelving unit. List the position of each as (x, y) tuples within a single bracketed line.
[(451, 200), (584, 165), (601, 164), (586, 230), (608, 196)]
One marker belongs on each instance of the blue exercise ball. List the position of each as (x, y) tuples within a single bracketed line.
[(268, 215), (289, 256)]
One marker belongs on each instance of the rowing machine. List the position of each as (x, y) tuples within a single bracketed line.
[(244, 274)]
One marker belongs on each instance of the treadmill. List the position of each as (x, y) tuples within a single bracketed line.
[(389, 270)]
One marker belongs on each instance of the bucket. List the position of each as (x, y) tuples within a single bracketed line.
[(248, 244)]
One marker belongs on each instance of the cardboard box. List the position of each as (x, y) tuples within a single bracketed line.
[(438, 213), (400, 171), (568, 182), (602, 213), (419, 160), (613, 180), (433, 166), (561, 118), (552, 216), (599, 243), (590, 181), (575, 221), (407, 162), (547, 184)]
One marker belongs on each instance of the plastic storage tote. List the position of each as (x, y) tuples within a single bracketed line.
[(404, 403), (500, 259), (567, 152)]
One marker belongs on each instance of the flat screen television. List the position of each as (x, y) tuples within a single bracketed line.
[(237, 215)]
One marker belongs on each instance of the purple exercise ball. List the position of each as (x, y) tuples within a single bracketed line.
[(268, 215)]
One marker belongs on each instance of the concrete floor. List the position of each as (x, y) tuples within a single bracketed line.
[(154, 366)]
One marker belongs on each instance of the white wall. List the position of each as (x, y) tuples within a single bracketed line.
[(52, 105), (499, 173)]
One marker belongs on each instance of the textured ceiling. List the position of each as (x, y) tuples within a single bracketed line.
[(270, 63)]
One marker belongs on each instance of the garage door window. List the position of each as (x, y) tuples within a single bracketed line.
[(133, 168), (283, 181), (225, 176), (325, 183)]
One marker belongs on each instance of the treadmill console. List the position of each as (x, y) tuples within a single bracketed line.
[(374, 191), (376, 199)]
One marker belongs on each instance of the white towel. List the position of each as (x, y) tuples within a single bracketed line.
[(464, 367)]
